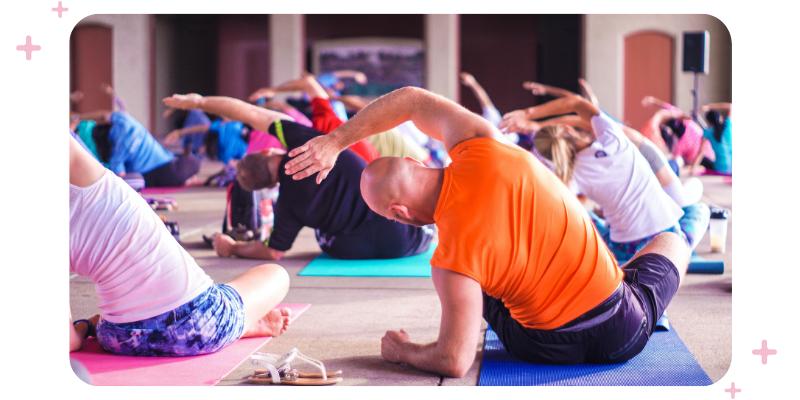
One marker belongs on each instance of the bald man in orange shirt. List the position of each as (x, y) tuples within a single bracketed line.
[(515, 246)]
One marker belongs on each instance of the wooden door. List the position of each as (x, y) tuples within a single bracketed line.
[(91, 65), (648, 72)]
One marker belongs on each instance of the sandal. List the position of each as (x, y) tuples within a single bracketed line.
[(280, 372)]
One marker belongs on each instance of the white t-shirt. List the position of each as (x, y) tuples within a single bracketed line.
[(614, 174), (116, 240)]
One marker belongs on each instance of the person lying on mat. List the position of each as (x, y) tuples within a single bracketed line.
[(154, 299), (324, 119), (345, 226), (718, 133), (126, 146), (514, 243), (608, 168)]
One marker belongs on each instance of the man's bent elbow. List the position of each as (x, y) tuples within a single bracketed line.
[(457, 367)]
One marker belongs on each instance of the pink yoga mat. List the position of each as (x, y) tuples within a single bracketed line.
[(161, 190), (108, 369)]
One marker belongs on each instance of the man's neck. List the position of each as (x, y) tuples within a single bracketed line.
[(430, 182)]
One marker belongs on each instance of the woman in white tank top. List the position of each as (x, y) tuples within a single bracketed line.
[(154, 299)]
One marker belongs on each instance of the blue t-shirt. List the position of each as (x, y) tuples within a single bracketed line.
[(333, 207), (133, 148), (723, 148), (231, 144)]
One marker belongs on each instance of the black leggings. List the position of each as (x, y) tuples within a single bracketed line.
[(174, 173), (377, 238)]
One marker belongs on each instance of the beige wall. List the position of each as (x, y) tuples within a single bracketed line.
[(442, 54), (131, 61), (603, 56)]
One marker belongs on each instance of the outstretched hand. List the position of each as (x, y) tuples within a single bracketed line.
[(467, 79), (317, 155), (517, 123), (173, 136), (392, 345), (261, 93), (536, 88), (189, 101)]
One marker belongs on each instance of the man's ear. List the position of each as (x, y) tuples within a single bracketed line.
[(400, 209), (415, 160)]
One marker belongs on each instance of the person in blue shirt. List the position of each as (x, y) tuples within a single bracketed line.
[(126, 146), (194, 126), (718, 134)]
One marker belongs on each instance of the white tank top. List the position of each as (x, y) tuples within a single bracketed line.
[(116, 240)]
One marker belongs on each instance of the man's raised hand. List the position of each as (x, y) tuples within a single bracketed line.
[(317, 155)]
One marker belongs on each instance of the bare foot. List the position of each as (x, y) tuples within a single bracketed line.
[(273, 324)]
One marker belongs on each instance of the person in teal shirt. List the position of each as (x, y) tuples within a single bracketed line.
[(718, 134)]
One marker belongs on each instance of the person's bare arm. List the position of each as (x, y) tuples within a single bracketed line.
[(539, 89), (436, 116), (225, 246), (589, 92), (454, 352), (84, 169), (258, 117), (359, 77), (571, 120), (351, 102), (652, 101), (468, 80), (564, 105), (176, 134), (723, 108)]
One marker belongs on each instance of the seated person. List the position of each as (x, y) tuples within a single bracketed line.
[(670, 121), (194, 126), (345, 227), (608, 169), (144, 278), (127, 146), (533, 266), (718, 133)]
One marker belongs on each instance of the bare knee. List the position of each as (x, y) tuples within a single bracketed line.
[(277, 274)]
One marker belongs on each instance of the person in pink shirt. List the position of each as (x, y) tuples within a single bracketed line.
[(688, 133)]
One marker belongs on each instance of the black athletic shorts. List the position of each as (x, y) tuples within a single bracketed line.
[(173, 173), (650, 282), (377, 238)]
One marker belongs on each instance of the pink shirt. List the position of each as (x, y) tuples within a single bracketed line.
[(689, 144)]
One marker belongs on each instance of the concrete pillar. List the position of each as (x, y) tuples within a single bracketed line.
[(442, 54), (287, 47)]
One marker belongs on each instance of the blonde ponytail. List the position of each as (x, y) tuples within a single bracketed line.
[(553, 143)]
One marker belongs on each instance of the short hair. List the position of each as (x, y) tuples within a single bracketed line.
[(252, 171)]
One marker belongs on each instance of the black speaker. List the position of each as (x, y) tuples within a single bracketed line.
[(695, 52)]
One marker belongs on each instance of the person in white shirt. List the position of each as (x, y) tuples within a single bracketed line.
[(154, 299), (608, 169)]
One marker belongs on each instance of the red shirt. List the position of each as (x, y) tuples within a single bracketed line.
[(325, 121)]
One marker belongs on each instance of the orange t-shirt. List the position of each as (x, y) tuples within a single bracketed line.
[(507, 222)]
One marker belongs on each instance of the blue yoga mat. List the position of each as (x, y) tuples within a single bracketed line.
[(418, 266), (665, 361)]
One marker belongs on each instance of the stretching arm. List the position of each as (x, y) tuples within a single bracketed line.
[(560, 106), (454, 352), (225, 246), (723, 108), (436, 116), (652, 101), (348, 73), (589, 92), (258, 117), (483, 98), (176, 134), (539, 89)]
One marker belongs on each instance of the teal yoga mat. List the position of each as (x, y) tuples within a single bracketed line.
[(418, 266), (699, 265)]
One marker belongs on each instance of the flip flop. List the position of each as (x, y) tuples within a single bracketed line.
[(280, 372)]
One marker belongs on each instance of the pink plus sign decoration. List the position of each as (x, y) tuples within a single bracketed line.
[(28, 48), (764, 352), (733, 390), (60, 9)]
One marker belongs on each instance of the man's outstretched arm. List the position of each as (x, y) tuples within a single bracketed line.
[(434, 115), (225, 246), (454, 352), (258, 117)]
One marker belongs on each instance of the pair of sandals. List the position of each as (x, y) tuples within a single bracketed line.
[(280, 372)]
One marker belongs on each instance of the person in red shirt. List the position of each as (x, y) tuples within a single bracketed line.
[(324, 119), (514, 244)]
